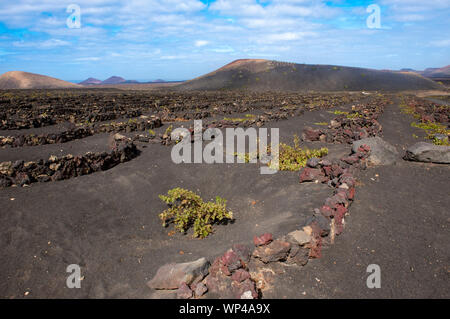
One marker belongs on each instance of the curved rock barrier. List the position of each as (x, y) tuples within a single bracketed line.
[(32, 120), (22, 173), (79, 133), (242, 272), (34, 108), (426, 111), (361, 122)]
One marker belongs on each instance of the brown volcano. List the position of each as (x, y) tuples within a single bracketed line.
[(25, 80)]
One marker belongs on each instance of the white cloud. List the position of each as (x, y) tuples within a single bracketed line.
[(201, 43), (47, 44), (88, 59)]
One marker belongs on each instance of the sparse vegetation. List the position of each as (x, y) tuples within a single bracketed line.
[(293, 158), (432, 129), (187, 209), (168, 130)]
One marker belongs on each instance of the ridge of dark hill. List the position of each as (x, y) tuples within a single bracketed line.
[(263, 75), (25, 80)]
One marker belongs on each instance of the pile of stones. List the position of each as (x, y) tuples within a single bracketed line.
[(358, 124), (22, 173), (141, 124)]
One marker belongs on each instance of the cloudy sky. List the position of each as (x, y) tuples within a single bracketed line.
[(182, 39)]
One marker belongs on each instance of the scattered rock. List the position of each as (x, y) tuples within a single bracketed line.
[(300, 237), (313, 162), (429, 153), (240, 275), (381, 152), (243, 252), (309, 174), (200, 289), (263, 239), (310, 134), (275, 251), (184, 292), (231, 260), (171, 276)]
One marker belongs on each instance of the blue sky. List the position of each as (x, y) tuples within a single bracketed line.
[(182, 39)]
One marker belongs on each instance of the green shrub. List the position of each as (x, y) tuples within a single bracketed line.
[(293, 158), (187, 209)]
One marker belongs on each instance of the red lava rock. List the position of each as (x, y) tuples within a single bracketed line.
[(331, 202), (220, 285), (309, 174), (200, 289), (218, 267), (184, 292), (347, 179), (326, 211), (341, 197), (231, 260), (263, 239), (348, 133), (310, 134), (364, 148), (240, 288), (351, 193), (340, 211), (243, 253), (338, 224), (240, 275), (353, 159), (337, 170), (315, 245), (327, 170)]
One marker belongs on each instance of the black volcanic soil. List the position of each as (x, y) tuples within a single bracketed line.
[(399, 221), (107, 222)]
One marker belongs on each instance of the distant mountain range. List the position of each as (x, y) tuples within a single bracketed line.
[(114, 80), (264, 75), (433, 73)]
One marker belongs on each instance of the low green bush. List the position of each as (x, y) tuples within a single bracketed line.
[(187, 209)]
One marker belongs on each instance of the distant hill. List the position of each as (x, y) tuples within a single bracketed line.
[(90, 81), (117, 80), (434, 73), (25, 80), (261, 75), (114, 80)]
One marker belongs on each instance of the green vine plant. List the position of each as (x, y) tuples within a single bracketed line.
[(291, 158), (187, 209)]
